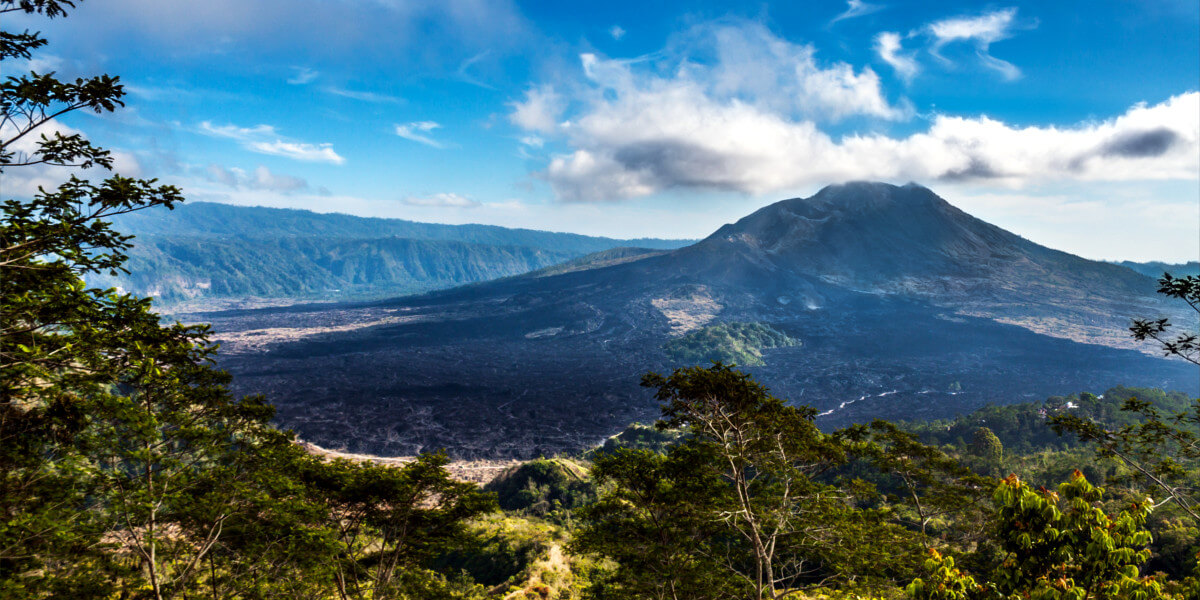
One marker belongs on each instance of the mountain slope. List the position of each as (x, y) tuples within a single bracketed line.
[(899, 305), (178, 268), (214, 253), (209, 219)]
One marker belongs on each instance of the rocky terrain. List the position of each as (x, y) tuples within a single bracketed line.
[(903, 307)]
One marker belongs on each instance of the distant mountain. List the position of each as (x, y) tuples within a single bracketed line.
[(208, 219), (865, 300), (206, 251), (1156, 269), (179, 268)]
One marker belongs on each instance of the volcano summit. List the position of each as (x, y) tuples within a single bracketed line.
[(893, 303)]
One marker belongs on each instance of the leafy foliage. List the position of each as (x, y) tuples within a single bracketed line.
[(127, 469), (1057, 546), (729, 343), (543, 486), (736, 508)]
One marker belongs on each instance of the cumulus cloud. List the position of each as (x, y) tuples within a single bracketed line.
[(265, 140), (734, 108), (617, 32), (539, 111), (684, 138), (745, 61), (416, 131), (981, 31), (445, 200), (856, 8), (888, 46), (261, 178)]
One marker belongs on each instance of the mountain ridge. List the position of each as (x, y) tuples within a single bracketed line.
[(213, 255), (902, 306)]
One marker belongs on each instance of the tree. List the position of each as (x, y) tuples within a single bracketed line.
[(1184, 345), (656, 521), (389, 522), (1057, 545), (745, 480), (1162, 449), (936, 485), (61, 342), (986, 448)]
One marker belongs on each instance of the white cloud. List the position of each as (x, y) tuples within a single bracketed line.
[(888, 46), (303, 76), (982, 31), (680, 137), (617, 32), (532, 141), (415, 131), (261, 178), (265, 140), (745, 61), (539, 111), (743, 111), (445, 200), (856, 8)]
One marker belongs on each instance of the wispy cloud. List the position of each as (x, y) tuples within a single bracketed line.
[(261, 178), (982, 31), (463, 71), (888, 46), (265, 140), (304, 75), (617, 32), (416, 131), (363, 96), (444, 200), (856, 8)]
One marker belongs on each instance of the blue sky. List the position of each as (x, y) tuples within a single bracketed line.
[(1075, 124)]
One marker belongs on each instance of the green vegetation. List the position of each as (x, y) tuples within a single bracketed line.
[(179, 268), (638, 436), (129, 470), (215, 251), (544, 486), (730, 343)]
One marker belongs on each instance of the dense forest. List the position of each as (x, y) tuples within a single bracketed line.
[(128, 469)]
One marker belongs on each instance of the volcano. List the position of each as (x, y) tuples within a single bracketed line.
[(895, 303)]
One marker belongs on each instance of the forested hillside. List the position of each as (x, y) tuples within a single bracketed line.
[(208, 251), (174, 268)]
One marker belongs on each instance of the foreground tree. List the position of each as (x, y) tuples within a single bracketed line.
[(1058, 546), (127, 469), (1162, 449), (739, 501), (943, 495), (61, 343)]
